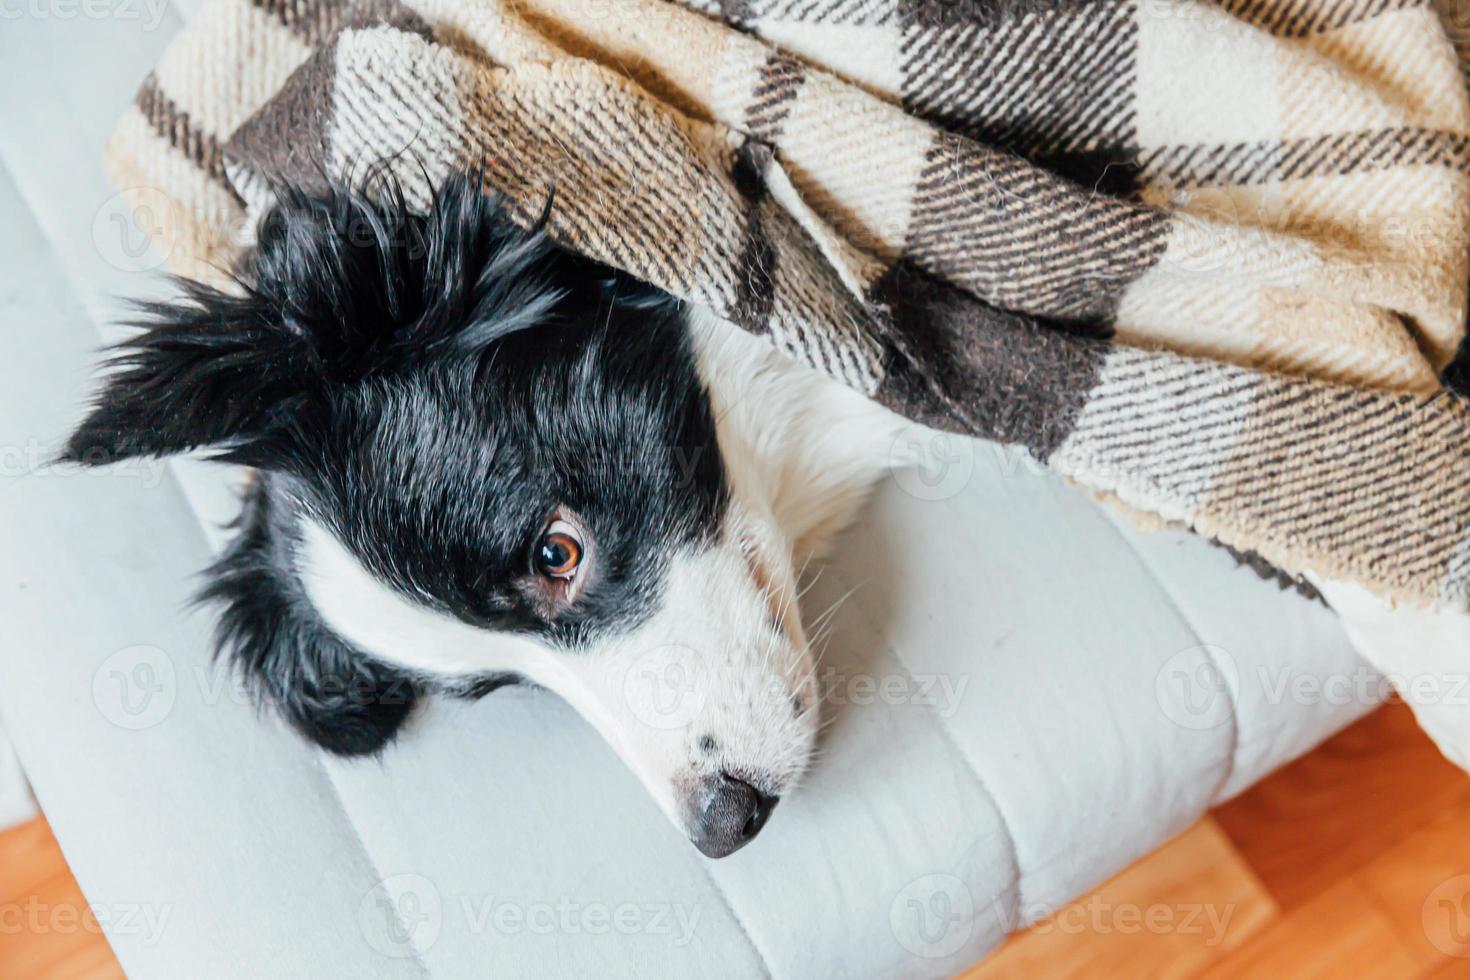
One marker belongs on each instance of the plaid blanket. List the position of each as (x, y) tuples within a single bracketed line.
[(1208, 260)]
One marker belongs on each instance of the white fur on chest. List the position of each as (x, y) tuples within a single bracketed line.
[(807, 444)]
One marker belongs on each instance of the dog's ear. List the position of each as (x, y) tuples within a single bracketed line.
[(341, 284), (208, 370), (331, 693), (331, 278)]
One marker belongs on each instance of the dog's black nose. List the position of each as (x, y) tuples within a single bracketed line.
[(729, 815)]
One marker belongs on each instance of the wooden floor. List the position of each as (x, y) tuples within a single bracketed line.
[(45, 932), (1353, 861)]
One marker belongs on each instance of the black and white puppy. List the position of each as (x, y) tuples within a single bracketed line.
[(482, 459)]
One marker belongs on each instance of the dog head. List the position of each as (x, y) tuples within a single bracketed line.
[(480, 459)]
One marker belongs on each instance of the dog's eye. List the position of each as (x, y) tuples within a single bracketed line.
[(559, 551)]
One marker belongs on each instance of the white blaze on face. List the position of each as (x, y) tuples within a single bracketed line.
[(717, 679)]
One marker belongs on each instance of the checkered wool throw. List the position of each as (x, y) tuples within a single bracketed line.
[(1208, 260)]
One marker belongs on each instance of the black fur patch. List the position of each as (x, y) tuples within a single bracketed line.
[(330, 692), (429, 388)]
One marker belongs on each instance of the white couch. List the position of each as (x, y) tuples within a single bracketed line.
[(1015, 717)]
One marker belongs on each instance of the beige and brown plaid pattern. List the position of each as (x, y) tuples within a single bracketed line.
[(1206, 259)]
